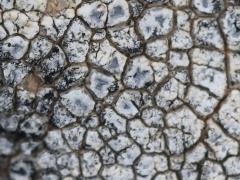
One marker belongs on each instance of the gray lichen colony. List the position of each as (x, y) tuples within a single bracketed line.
[(119, 89)]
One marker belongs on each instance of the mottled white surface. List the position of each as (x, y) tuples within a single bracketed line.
[(119, 89)]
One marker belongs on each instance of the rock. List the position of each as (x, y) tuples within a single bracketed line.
[(161, 2), (46, 160), (178, 59), (21, 168), (7, 4), (180, 3), (10, 122), (55, 26), (25, 100), (135, 8), (189, 171), (167, 175), (196, 154), (160, 71), (28, 5), (120, 142), (184, 18), (211, 58), (3, 32)]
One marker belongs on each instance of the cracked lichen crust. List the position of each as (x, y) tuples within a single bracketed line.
[(119, 89)]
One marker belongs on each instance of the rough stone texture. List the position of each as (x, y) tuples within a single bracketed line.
[(119, 89)]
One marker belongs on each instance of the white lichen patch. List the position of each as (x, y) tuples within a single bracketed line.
[(14, 72), (171, 94), (139, 73), (157, 49), (101, 84), (203, 103), (230, 26), (105, 56), (126, 39), (78, 101), (118, 12), (213, 79), (156, 22), (181, 40), (76, 41), (187, 128), (17, 22), (151, 139), (229, 113), (219, 142), (234, 68), (14, 47), (119, 89), (128, 103), (95, 14), (54, 27), (208, 6), (206, 33)]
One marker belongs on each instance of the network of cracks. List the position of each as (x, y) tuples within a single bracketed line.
[(119, 89)]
